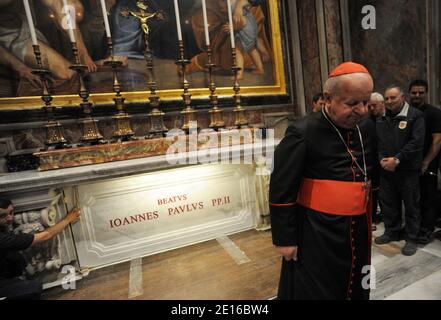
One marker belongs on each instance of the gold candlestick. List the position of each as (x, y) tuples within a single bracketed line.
[(54, 130), (189, 113), (216, 121), (123, 129), (157, 127), (241, 120), (89, 125)]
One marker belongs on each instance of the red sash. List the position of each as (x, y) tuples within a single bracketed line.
[(334, 197)]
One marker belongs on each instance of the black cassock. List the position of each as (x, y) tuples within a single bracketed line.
[(333, 250)]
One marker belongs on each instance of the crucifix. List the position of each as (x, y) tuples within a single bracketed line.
[(157, 127), (143, 15)]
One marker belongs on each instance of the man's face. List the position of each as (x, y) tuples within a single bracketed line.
[(349, 105), (417, 95), (394, 99), (376, 107), (319, 105), (6, 216)]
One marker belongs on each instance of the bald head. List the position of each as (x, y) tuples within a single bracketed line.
[(333, 86)]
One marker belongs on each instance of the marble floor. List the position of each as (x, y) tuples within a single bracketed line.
[(399, 277), (246, 266)]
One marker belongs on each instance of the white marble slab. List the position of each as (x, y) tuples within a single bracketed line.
[(149, 213), (428, 288)]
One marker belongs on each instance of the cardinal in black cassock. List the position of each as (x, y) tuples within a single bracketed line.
[(324, 170)]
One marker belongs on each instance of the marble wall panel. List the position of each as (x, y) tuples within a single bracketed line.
[(395, 52), (309, 48), (334, 40)]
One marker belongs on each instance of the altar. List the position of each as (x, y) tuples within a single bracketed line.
[(140, 207)]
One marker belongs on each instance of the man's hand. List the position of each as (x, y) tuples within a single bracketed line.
[(91, 66), (24, 72), (226, 28), (289, 253), (51, 232), (389, 164), (239, 20), (73, 215)]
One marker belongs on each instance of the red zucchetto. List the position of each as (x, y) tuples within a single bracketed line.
[(348, 68)]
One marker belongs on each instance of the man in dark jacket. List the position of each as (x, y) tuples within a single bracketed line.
[(400, 148), (12, 263), (431, 157)]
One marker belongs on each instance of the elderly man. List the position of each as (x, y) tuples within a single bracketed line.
[(376, 106), (376, 111), (431, 156), (319, 194), (11, 262), (400, 144)]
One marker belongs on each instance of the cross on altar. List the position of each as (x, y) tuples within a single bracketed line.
[(143, 15)]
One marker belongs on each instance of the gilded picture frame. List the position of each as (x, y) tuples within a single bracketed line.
[(273, 79)]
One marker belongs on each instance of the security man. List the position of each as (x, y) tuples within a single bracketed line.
[(400, 134), (418, 90)]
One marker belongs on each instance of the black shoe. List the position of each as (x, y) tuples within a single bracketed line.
[(385, 238), (438, 234), (425, 237), (409, 248)]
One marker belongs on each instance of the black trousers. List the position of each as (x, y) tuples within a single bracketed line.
[(395, 188), (429, 210), (375, 203), (17, 289)]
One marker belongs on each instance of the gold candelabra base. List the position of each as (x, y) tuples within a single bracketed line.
[(189, 115), (216, 120), (123, 129), (54, 135), (90, 131), (157, 127), (241, 119)]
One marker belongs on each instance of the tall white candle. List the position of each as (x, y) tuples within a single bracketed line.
[(106, 19), (230, 18), (178, 21), (30, 22), (70, 24), (204, 13)]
